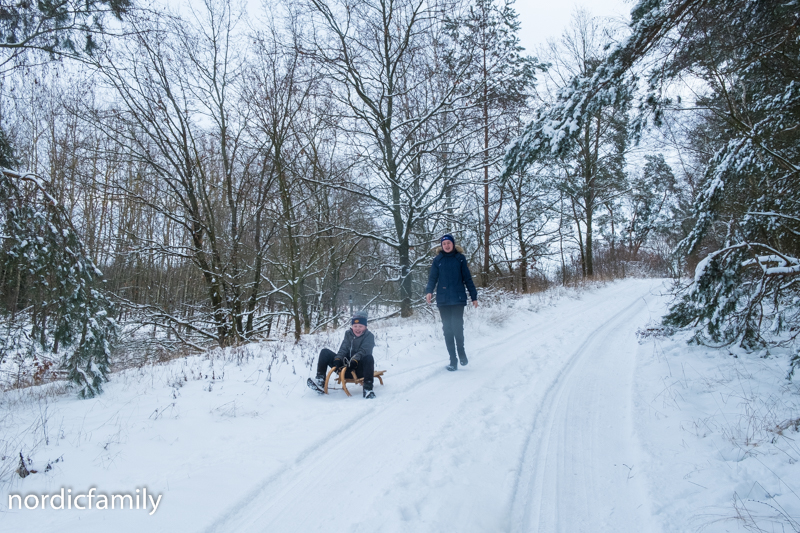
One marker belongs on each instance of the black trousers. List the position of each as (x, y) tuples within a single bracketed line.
[(365, 368), (453, 328)]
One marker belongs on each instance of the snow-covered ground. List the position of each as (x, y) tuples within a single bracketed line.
[(564, 420)]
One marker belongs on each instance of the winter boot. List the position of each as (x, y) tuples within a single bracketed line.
[(463, 359), (317, 384), (452, 367), (369, 394)]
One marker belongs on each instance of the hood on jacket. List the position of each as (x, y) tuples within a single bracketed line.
[(438, 249)]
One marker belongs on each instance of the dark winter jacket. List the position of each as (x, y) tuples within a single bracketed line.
[(354, 348), (450, 274)]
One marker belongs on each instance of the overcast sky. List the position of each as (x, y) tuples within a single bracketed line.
[(542, 19)]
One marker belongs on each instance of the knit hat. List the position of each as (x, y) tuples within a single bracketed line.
[(359, 318), (447, 237)]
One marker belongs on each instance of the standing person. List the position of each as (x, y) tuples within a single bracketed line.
[(450, 275), (355, 353)]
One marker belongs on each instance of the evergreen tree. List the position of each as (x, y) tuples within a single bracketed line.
[(66, 27), (51, 301), (745, 289), (647, 200), (593, 166), (49, 286)]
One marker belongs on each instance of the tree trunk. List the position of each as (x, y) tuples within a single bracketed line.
[(487, 226), (588, 258), (294, 270), (405, 280), (580, 239)]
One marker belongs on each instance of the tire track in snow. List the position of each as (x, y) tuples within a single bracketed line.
[(465, 477), (577, 470)]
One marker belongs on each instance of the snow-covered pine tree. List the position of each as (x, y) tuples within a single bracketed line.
[(592, 169), (51, 300), (746, 288), (746, 52)]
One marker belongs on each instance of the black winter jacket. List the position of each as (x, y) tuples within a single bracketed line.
[(354, 348), (450, 274)]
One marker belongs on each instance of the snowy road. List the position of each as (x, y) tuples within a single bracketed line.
[(579, 469), (535, 434), (562, 422)]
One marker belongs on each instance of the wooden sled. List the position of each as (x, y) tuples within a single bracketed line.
[(340, 378)]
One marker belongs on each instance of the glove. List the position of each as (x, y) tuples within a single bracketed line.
[(337, 364), (353, 364)]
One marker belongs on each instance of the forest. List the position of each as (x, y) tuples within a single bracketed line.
[(188, 177)]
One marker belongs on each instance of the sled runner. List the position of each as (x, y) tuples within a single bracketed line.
[(340, 378)]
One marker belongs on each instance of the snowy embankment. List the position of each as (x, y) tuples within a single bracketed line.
[(563, 421), (721, 430)]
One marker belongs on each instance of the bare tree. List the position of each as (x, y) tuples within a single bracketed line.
[(502, 79), (178, 117), (379, 56), (281, 84)]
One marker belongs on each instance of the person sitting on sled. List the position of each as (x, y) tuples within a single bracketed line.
[(355, 353)]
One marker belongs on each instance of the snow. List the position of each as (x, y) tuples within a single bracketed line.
[(564, 420), (783, 265), (721, 434), (778, 271)]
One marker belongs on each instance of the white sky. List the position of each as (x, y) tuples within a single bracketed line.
[(542, 19)]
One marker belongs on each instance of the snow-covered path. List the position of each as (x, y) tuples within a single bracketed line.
[(579, 470), (562, 422), (535, 434)]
